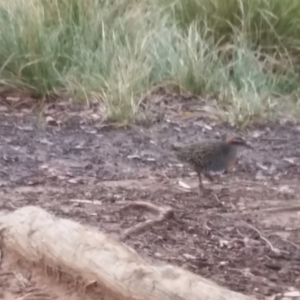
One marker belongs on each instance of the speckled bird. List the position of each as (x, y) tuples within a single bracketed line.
[(210, 156)]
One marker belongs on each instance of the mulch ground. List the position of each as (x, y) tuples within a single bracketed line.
[(246, 235)]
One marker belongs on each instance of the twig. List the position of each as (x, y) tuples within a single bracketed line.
[(161, 212), (287, 241), (273, 139), (273, 249), (84, 201), (281, 209), (216, 197)]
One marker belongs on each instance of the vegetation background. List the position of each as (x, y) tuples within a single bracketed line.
[(245, 52)]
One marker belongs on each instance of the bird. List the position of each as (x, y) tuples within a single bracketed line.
[(210, 156)]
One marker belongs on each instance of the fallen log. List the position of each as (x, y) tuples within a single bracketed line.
[(39, 238)]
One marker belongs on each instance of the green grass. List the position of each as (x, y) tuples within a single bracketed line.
[(245, 52)]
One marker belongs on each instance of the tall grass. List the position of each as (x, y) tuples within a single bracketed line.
[(269, 24), (246, 52)]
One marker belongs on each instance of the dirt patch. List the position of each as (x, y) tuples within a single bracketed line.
[(245, 236)]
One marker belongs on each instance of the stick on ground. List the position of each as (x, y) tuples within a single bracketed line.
[(162, 213)]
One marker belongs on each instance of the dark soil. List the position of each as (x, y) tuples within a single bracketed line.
[(246, 235)]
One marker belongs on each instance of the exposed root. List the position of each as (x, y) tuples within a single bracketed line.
[(162, 213), (272, 248)]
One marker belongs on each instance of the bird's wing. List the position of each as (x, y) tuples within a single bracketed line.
[(210, 153)]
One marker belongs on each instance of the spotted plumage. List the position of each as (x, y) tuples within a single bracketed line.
[(207, 156)]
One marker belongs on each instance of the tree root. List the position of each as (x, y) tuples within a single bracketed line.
[(162, 213)]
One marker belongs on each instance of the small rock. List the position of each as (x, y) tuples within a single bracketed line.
[(51, 121), (286, 189), (291, 160), (259, 176), (223, 243), (292, 294), (257, 133), (156, 254), (184, 185), (189, 256)]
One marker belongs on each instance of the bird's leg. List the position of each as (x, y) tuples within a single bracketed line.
[(202, 189)]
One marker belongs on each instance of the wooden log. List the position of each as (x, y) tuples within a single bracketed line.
[(38, 237)]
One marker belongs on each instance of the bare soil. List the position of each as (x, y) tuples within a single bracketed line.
[(246, 235)]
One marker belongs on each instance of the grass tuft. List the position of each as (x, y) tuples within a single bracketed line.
[(246, 52)]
